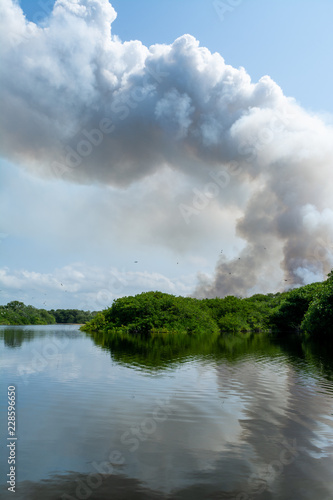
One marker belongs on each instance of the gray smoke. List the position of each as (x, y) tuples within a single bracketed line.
[(82, 105)]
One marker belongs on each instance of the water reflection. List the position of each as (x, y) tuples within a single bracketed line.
[(83, 486), (233, 417), (14, 337), (163, 351), (154, 351)]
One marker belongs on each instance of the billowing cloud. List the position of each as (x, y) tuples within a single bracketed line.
[(81, 105)]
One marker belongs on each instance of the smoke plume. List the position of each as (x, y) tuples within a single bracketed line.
[(82, 105)]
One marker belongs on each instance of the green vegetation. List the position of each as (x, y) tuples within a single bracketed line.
[(159, 313), (307, 310), (233, 314), (289, 315), (17, 313), (318, 319), (72, 316), (155, 312)]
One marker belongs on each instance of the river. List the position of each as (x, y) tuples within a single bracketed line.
[(238, 417)]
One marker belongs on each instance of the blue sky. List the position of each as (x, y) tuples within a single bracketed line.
[(290, 41), (75, 244)]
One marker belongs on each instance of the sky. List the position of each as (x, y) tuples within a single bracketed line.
[(187, 149)]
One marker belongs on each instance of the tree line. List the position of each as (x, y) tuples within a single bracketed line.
[(307, 310), (17, 313)]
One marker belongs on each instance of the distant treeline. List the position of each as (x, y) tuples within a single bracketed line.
[(72, 315), (308, 310), (17, 313)]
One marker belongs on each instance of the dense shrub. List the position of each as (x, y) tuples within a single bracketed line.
[(17, 313), (151, 312), (289, 314), (318, 319), (72, 315)]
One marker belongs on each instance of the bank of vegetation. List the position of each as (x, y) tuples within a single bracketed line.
[(307, 310), (17, 313)]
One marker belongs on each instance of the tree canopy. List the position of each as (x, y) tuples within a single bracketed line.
[(17, 313), (152, 312), (308, 309), (318, 319)]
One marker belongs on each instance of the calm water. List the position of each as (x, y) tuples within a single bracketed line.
[(99, 418)]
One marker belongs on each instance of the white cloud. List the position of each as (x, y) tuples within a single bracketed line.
[(86, 287), (150, 126)]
